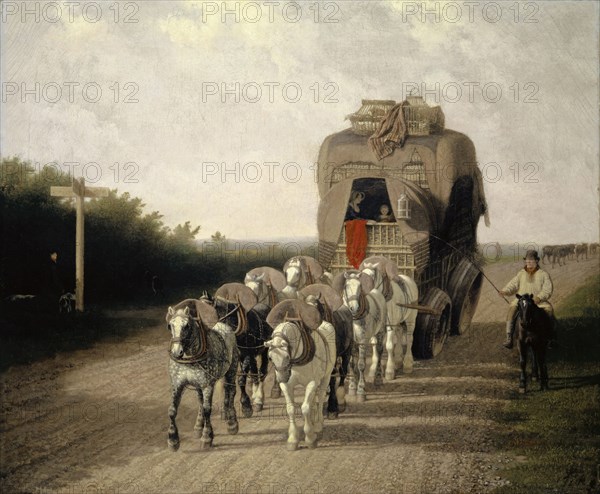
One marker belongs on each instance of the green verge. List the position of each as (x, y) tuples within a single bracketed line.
[(556, 433)]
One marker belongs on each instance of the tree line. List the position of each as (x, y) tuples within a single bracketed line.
[(124, 246)]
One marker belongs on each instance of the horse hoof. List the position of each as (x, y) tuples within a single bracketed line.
[(257, 407), (313, 445), (275, 393), (247, 412), (390, 376), (233, 429), (292, 446), (173, 446), (341, 407), (361, 398), (407, 369), (206, 444), (332, 415), (352, 392), (197, 433)]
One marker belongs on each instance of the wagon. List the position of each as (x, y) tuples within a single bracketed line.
[(434, 189)]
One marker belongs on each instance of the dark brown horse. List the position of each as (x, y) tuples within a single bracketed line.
[(533, 329)]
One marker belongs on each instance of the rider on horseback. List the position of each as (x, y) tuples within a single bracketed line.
[(531, 279)]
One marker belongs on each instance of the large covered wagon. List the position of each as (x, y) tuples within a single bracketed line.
[(433, 190)]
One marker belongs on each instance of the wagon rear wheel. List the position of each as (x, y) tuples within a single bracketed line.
[(432, 330), (464, 289)]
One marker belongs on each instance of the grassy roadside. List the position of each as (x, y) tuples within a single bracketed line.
[(556, 434), (28, 334)]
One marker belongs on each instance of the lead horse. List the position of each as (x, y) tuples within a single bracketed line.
[(533, 328), (303, 353), (202, 350)]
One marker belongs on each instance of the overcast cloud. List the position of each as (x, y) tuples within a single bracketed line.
[(537, 144)]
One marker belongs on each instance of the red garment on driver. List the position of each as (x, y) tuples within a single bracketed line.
[(356, 241)]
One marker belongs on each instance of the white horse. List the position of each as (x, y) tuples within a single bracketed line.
[(368, 309), (301, 271), (290, 351), (401, 290), (266, 283)]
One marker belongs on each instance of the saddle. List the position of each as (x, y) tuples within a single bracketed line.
[(330, 299)]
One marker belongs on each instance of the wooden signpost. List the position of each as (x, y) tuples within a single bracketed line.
[(80, 192)]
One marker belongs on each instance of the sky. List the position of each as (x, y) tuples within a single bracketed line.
[(214, 112)]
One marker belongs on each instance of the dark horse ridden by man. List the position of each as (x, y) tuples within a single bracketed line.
[(202, 351), (533, 330), (236, 305)]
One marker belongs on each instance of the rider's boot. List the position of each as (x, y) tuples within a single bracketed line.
[(510, 327)]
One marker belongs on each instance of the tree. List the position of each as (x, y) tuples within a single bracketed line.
[(218, 237)]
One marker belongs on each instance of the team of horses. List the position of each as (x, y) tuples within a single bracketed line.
[(315, 330)]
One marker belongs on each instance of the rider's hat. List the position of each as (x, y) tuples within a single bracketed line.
[(531, 254)]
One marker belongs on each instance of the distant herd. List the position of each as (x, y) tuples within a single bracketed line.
[(560, 253)]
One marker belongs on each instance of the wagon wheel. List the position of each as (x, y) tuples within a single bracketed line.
[(432, 330), (464, 289)]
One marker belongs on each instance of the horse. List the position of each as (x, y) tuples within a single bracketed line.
[(533, 327), (266, 283), (368, 309), (398, 291), (331, 309), (301, 271), (581, 250), (302, 351), (236, 306), (202, 350)]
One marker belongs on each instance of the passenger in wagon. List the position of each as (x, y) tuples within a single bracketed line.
[(353, 211), (531, 279), (384, 214)]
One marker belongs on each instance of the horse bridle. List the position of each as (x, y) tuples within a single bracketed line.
[(200, 353), (362, 303), (308, 350), (524, 322)]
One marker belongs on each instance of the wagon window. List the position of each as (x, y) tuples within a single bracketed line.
[(376, 196)]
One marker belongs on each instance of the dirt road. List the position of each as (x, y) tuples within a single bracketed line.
[(95, 421)]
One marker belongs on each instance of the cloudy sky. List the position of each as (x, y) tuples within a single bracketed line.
[(214, 112)]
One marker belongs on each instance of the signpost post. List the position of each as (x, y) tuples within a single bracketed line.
[(79, 191)]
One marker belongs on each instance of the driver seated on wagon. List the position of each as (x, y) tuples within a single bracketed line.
[(531, 279)]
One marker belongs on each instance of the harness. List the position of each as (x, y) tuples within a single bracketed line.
[(242, 319), (308, 344)]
